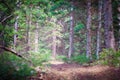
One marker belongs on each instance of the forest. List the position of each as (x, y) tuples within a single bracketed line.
[(59, 39)]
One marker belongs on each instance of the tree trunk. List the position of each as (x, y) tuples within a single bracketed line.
[(28, 22), (108, 25), (116, 21), (16, 25), (71, 34), (98, 29), (36, 37), (16, 28), (88, 26), (54, 45)]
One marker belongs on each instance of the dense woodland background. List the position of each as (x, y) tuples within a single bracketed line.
[(36, 31)]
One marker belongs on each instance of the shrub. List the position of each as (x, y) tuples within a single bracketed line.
[(61, 57), (38, 58), (110, 57), (13, 67), (80, 59)]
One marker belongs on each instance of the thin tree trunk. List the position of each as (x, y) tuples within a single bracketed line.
[(54, 48), (98, 29), (36, 37), (54, 39), (118, 36), (28, 22), (16, 28), (88, 47), (108, 25), (27, 36), (119, 27), (16, 24), (71, 34)]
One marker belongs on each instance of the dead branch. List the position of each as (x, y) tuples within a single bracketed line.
[(10, 50), (15, 53), (6, 18)]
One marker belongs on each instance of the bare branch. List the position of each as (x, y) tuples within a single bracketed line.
[(15, 53), (6, 18)]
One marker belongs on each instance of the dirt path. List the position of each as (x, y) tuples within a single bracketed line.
[(76, 72)]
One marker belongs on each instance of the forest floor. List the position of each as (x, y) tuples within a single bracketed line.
[(73, 71)]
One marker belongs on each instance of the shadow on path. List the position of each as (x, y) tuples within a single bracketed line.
[(76, 72)]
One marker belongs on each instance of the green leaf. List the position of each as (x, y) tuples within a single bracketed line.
[(78, 27)]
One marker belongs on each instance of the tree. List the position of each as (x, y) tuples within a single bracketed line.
[(16, 28), (116, 22), (36, 37), (71, 32), (88, 31), (108, 25), (99, 28), (16, 24), (28, 26), (54, 44)]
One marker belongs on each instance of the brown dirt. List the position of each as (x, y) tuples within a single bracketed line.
[(67, 71)]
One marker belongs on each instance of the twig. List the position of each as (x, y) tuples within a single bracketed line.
[(6, 18)]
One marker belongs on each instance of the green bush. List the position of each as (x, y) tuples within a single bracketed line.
[(13, 67), (80, 59), (110, 57), (61, 57), (38, 58)]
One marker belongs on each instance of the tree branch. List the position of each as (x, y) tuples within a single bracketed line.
[(15, 53), (6, 18)]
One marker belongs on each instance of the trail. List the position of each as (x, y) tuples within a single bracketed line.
[(74, 71)]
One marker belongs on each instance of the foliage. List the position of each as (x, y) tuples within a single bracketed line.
[(8, 34), (53, 18), (38, 58), (62, 57), (13, 68), (78, 27), (81, 59), (110, 57)]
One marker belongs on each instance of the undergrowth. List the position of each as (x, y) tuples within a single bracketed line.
[(81, 59), (110, 57), (14, 68)]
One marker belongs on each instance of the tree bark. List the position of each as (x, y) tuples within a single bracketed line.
[(98, 29), (54, 46), (54, 39), (28, 22), (16, 25), (16, 29), (108, 25), (71, 34), (36, 37), (88, 26)]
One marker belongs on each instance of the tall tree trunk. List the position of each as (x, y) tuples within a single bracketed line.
[(108, 25), (28, 22), (119, 40), (36, 37), (71, 33), (54, 39), (88, 47), (88, 26), (16, 24), (16, 28), (98, 29), (116, 21), (54, 45)]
